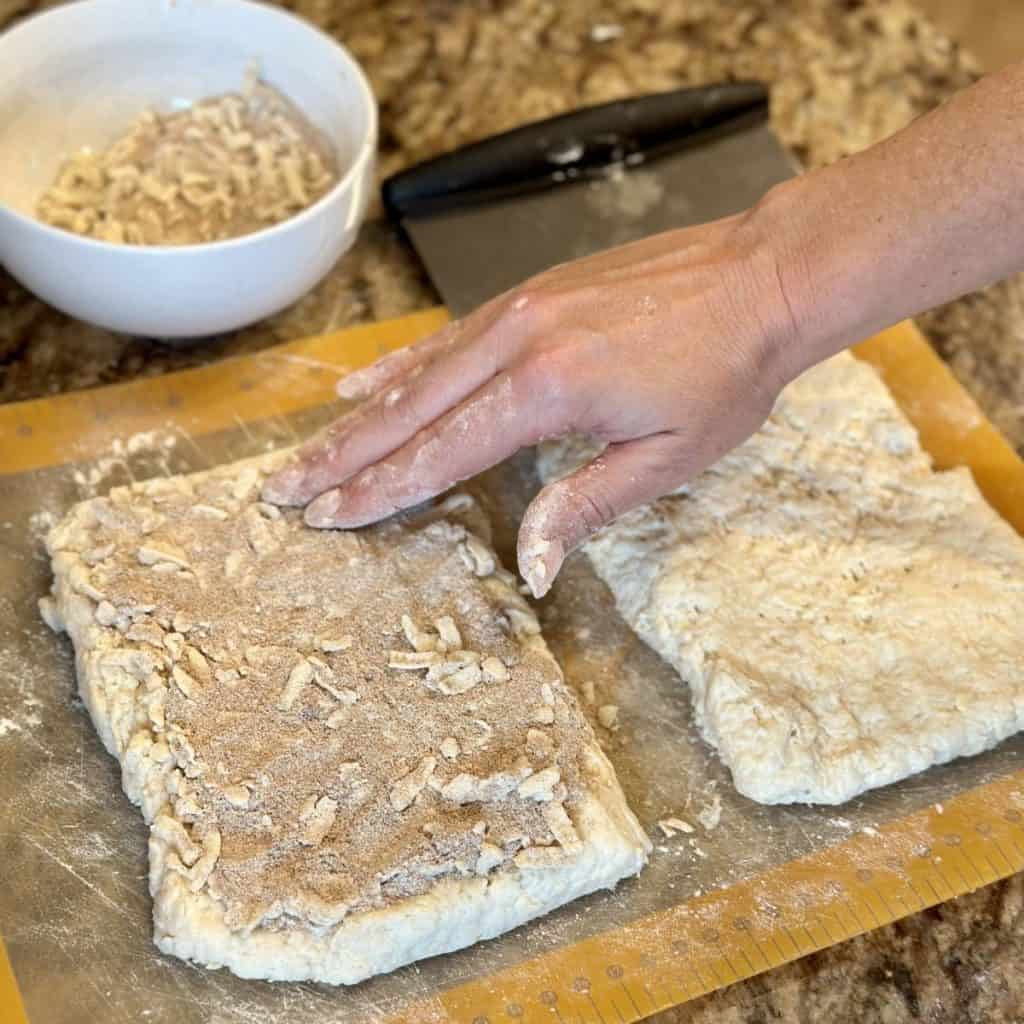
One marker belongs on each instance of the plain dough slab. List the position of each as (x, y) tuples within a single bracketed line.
[(125, 567), (843, 615)]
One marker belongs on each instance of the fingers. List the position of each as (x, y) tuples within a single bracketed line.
[(386, 370), (568, 511), (376, 428), (503, 416), (390, 368), (391, 417)]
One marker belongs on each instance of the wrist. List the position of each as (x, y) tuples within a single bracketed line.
[(818, 267)]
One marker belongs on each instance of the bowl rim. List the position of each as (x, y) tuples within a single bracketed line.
[(357, 166)]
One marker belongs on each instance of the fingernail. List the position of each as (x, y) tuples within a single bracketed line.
[(322, 512), (540, 564), (537, 584), (282, 488)]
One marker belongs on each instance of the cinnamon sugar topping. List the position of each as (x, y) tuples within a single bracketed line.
[(342, 719)]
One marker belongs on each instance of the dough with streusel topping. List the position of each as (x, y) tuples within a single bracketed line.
[(353, 749)]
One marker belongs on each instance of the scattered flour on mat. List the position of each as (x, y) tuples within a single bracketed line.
[(156, 443), (711, 813), (20, 707)]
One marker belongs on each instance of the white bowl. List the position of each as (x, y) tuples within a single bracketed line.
[(80, 74)]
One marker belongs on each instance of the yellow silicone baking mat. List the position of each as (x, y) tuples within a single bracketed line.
[(750, 888)]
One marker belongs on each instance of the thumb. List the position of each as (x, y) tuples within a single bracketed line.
[(565, 513)]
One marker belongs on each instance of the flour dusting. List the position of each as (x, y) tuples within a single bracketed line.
[(41, 522), (114, 461), (20, 704), (711, 814)]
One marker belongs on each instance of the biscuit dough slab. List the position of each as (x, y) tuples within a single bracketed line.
[(843, 615), (354, 750)]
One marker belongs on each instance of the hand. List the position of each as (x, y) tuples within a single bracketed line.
[(673, 349), (670, 350)]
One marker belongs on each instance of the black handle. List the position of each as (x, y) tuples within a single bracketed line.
[(573, 145)]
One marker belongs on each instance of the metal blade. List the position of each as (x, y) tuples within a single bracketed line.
[(476, 252)]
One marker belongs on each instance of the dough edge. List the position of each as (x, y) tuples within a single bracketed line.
[(454, 914)]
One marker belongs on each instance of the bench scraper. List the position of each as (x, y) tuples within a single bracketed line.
[(487, 216)]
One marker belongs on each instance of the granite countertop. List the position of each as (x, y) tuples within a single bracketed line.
[(844, 74)]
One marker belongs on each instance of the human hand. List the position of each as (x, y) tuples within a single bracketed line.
[(671, 350)]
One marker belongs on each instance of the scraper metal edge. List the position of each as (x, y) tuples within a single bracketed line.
[(489, 215)]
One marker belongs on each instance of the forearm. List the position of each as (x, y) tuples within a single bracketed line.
[(931, 213)]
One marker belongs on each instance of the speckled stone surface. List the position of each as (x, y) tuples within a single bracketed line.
[(844, 74)]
